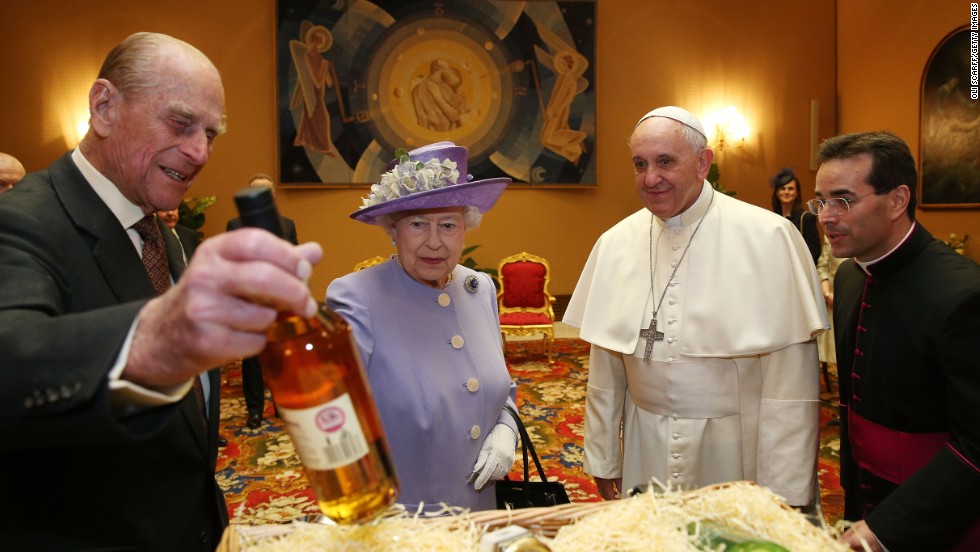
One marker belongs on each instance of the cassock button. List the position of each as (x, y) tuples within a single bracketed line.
[(475, 432), (457, 342), (473, 385), (444, 300), (675, 436), (675, 247), (671, 320), (675, 475), (676, 455), (673, 264)]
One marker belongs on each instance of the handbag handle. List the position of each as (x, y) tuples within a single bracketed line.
[(526, 445)]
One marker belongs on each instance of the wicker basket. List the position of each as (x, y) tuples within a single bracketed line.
[(540, 521), (544, 522)]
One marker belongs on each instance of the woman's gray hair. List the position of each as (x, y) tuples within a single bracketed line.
[(472, 217)]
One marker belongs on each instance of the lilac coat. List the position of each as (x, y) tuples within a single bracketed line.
[(436, 366)]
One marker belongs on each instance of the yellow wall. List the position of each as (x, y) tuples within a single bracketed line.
[(883, 52), (768, 58)]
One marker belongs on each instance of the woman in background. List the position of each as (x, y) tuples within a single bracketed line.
[(429, 335), (787, 201)]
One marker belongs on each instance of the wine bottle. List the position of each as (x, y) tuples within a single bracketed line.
[(314, 370)]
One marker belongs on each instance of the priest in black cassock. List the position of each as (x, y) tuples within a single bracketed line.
[(906, 322)]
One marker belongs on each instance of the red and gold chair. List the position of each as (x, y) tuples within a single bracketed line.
[(523, 300)]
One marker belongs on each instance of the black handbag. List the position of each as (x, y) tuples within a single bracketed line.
[(528, 494)]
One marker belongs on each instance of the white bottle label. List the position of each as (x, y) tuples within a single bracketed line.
[(327, 436)]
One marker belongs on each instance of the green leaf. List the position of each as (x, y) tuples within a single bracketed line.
[(191, 212)]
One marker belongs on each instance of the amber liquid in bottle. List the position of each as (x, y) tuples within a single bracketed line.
[(318, 383), (317, 379)]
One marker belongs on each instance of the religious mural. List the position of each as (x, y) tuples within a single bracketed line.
[(513, 81)]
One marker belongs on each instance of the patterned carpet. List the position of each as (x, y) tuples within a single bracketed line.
[(264, 481)]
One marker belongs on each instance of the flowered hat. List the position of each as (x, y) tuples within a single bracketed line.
[(428, 178)]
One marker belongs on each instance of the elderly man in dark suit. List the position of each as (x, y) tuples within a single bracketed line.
[(253, 386), (108, 432)]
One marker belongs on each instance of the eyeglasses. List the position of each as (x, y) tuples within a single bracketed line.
[(837, 205)]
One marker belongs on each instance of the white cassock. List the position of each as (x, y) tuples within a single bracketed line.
[(732, 392)]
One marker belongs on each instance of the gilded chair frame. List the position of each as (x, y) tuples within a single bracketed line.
[(369, 262), (548, 330)]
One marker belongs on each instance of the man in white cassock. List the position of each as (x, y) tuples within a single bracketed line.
[(703, 313)]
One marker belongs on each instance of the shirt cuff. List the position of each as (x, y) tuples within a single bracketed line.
[(127, 397)]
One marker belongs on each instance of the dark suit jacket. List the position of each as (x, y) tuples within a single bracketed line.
[(288, 228), (188, 238), (918, 371), (78, 478)]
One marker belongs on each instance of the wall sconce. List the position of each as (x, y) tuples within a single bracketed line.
[(73, 120), (727, 129)]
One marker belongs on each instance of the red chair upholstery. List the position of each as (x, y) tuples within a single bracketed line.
[(523, 300)]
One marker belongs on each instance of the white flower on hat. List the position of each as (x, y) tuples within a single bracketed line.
[(409, 177)]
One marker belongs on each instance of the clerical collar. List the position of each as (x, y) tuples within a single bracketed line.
[(693, 213), (124, 210), (865, 266)]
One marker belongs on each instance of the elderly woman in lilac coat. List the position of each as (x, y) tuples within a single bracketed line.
[(428, 333)]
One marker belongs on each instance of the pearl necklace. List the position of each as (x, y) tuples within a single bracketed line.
[(650, 333), (399, 263)]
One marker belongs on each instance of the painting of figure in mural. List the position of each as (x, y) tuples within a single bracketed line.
[(950, 127), (513, 81)]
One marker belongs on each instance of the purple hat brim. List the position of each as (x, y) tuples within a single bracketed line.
[(482, 194)]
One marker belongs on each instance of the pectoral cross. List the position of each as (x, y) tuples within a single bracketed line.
[(651, 334)]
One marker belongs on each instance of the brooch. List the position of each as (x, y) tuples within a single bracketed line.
[(471, 284)]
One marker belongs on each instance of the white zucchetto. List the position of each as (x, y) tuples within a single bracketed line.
[(678, 114)]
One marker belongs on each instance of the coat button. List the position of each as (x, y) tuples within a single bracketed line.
[(675, 475), (475, 432), (675, 436), (675, 455), (444, 300), (457, 342), (473, 385)]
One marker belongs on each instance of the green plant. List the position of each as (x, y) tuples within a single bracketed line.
[(469, 262), (714, 178), (958, 244), (191, 212)]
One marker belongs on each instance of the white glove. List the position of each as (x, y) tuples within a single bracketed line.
[(496, 456)]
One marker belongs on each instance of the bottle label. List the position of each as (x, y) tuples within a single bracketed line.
[(327, 436)]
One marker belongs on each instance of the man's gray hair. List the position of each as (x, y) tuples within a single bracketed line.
[(129, 65)]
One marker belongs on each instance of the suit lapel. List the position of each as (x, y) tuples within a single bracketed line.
[(175, 251), (111, 247)]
